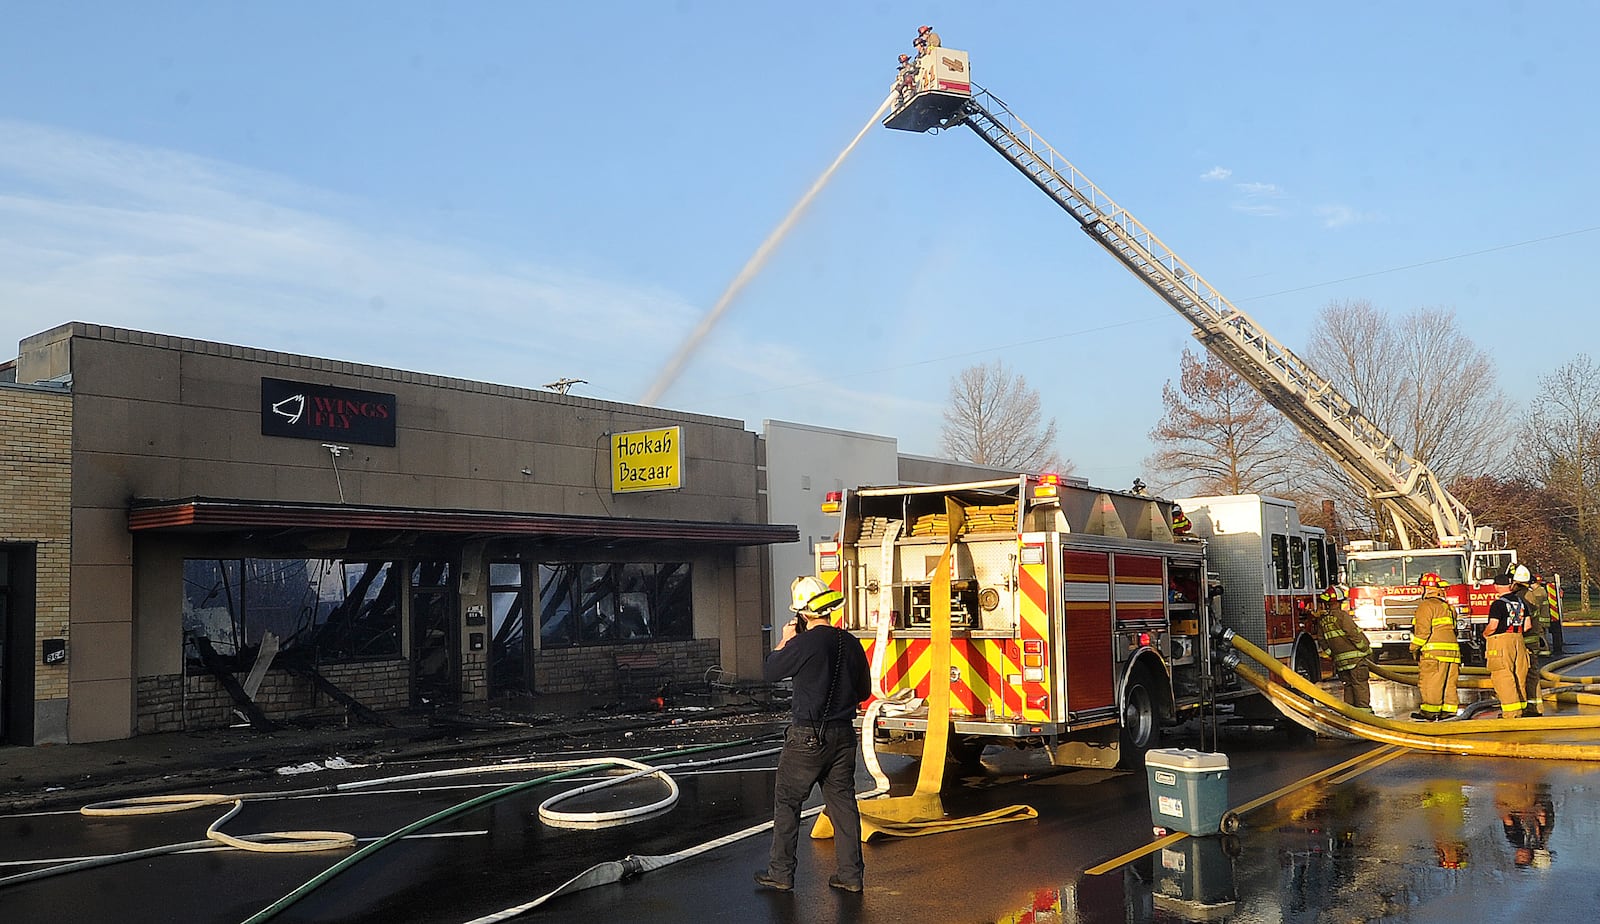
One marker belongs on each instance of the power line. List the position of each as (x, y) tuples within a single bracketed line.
[(1150, 317), (1433, 262)]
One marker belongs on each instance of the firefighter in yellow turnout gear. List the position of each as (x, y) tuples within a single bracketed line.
[(1342, 642), (1536, 635), (1504, 651), (1438, 654)]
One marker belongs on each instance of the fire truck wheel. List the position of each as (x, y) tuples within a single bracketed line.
[(1306, 662), (1141, 720), (964, 753)]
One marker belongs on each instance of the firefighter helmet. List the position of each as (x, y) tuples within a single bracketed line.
[(1521, 575), (924, 30), (809, 595), (904, 58), (1332, 594), (1431, 579)]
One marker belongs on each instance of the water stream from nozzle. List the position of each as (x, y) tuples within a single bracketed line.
[(674, 366)]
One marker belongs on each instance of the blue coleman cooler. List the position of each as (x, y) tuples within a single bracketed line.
[(1188, 789)]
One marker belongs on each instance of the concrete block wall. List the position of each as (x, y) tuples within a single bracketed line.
[(36, 480), (173, 702)]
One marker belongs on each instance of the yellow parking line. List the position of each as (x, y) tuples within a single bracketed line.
[(1373, 757), (1374, 754), (1135, 854), (1346, 777)]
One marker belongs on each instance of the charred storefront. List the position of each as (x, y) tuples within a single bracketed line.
[(276, 537)]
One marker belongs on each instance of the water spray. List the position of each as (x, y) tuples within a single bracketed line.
[(669, 373)]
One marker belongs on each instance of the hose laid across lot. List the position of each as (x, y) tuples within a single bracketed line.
[(1455, 737), (1568, 689), (304, 841)]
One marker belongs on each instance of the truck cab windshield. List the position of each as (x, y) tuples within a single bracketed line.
[(1403, 570)]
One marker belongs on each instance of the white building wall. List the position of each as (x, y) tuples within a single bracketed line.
[(804, 463)]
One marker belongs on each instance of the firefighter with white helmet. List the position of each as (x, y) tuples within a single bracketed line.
[(830, 674), (1438, 654), (1504, 650), (1342, 642)]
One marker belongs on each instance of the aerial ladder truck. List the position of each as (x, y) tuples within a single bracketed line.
[(1433, 529)]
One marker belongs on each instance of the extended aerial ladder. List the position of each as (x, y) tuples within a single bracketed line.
[(1418, 506)]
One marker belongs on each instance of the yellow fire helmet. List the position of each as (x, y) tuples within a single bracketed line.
[(809, 595)]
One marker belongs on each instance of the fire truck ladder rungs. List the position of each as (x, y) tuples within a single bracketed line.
[(1408, 491)]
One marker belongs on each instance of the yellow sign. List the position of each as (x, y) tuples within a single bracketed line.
[(647, 460)]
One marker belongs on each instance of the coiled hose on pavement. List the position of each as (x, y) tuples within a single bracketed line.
[(302, 841)]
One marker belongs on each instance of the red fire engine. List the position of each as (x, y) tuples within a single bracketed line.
[(1079, 623)]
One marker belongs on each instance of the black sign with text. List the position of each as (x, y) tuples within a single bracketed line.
[(323, 412)]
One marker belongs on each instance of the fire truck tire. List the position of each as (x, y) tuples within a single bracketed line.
[(964, 753), (1306, 662), (1141, 720)]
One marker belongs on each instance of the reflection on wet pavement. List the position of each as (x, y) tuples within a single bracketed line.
[(1416, 838)]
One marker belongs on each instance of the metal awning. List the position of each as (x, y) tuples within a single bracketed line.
[(214, 515)]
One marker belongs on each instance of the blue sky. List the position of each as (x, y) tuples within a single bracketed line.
[(518, 192)]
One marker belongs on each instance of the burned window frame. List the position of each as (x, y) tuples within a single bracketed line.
[(584, 604), (362, 623)]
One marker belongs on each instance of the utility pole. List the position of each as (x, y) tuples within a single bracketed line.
[(560, 386)]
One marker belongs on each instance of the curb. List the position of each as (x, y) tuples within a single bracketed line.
[(198, 775)]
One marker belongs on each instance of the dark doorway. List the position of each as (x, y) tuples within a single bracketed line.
[(435, 635), (16, 644)]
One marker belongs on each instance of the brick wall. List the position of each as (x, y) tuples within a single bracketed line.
[(594, 669), (173, 702), (36, 482)]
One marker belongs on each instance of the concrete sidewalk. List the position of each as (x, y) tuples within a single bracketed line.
[(53, 776)]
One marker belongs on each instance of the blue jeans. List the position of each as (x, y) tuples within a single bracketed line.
[(807, 760)]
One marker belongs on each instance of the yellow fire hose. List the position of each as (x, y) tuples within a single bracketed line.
[(922, 812), (1445, 737), (1477, 678)]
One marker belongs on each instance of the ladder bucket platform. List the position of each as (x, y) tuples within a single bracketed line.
[(927, 110), (943, 87)]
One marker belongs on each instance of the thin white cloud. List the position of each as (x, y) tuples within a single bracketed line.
[(1342, 216), (119, 234), (1216, 174), (1257, 208), (1263, 199), (1260, 190)]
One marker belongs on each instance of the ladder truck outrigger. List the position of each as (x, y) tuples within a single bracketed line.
[(1434, 530)]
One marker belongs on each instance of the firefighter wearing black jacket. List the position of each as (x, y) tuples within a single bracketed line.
[(831, 678), (1504, 650)]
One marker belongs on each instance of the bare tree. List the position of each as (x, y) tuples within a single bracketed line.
[(1561, 451), (994, 418), (1218, 435), (1422, 381)]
